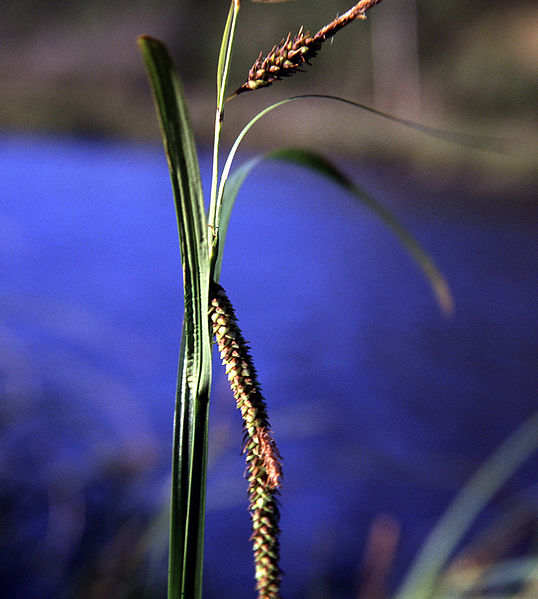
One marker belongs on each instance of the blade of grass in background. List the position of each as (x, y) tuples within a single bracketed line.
[(421, 581), (502, 578), (322, 166), (194, 379)]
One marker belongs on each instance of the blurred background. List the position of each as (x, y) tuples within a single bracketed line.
[(381, 406), (468, 66)]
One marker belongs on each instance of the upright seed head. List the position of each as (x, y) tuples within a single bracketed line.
[(287, 57)]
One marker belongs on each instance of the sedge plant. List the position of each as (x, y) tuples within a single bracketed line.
[(208, 312)]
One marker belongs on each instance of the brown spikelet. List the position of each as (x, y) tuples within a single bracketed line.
[(263, 470), (287, 57)]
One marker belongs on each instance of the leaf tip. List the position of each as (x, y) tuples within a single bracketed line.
[(142, 39), (445, 298)]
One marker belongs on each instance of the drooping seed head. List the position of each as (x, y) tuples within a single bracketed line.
[(263, 461)]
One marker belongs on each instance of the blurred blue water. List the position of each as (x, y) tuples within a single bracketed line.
[(378, 403)]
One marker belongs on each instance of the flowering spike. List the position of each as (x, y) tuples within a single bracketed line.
[(263, 469)]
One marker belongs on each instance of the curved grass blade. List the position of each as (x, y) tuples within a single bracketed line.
[(421, 581), (322, 166), (191, 417), (477, 142)]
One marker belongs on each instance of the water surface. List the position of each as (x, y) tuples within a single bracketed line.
[(379, 404)]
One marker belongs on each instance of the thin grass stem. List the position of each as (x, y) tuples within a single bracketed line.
[(223, 70)]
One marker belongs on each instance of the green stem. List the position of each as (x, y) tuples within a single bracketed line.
[(223, 71)]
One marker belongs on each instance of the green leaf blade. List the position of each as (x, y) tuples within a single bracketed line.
[(321, 166), (194, 378), (225, 54)]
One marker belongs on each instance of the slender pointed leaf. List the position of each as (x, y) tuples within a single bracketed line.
[(190, 428), (225, 54), (322, 166), (223, 71)]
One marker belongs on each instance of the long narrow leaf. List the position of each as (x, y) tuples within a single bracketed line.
[(223, 71), (225, 54), (190, 428), (322, 166)]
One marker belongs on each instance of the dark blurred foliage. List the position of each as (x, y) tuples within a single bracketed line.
[(74, 66)]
